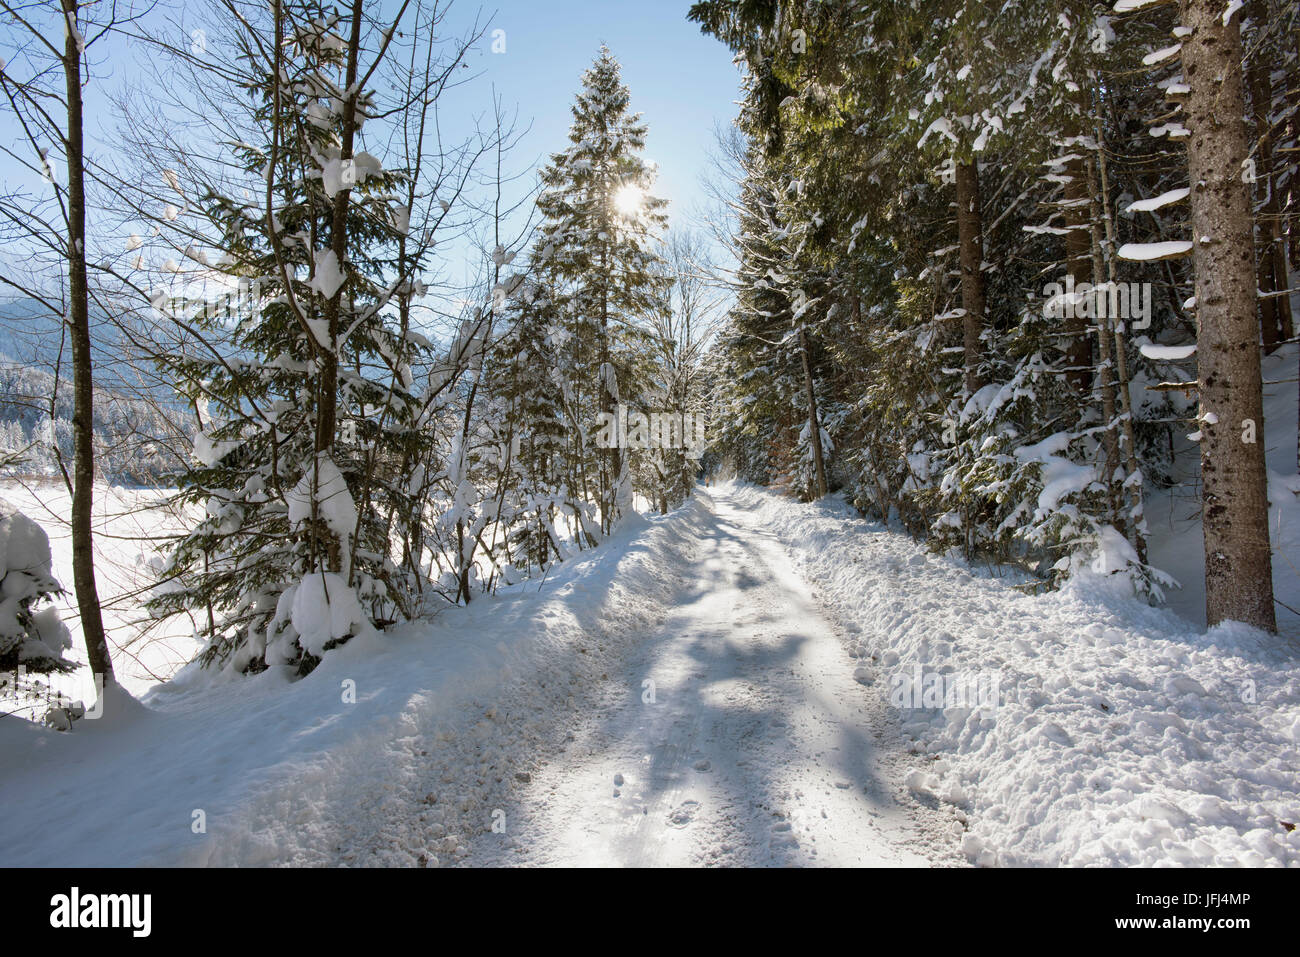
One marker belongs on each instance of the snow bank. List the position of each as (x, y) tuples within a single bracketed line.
[(1123, 735), (28, 635), (396, 750)]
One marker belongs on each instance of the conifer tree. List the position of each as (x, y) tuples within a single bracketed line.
[(303, 390), (598, 253)]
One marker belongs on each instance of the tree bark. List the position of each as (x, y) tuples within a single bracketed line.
[(1106, 368), (1133, 476), (328, 394), (83, 415), (814, 425), (611, 474), (971, 240), (1238, 563), (1078, 263), (1275, 311)]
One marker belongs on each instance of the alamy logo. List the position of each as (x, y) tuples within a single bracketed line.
[(198, 299), (76, 910), (624, 429), (921, 689), (1130, 301)]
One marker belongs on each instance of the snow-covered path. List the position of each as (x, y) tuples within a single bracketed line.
[(735, 734), (521, 729)]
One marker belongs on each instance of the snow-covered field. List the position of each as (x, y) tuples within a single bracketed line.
[(522, 730), (129, 524)]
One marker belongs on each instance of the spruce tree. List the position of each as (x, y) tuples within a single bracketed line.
[(303, 388), (598, 253)]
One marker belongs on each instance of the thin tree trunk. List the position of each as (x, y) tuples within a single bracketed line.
[(83, 487), (1106, 369), (612, 473), (1238, 565), (1291, 83), (971, 241), (1133, 476), (814, 424), (327, 403), (1275, 311)]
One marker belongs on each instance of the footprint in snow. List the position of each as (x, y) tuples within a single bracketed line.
[(783, 835), (683, 814)]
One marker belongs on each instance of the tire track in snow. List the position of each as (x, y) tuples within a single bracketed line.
[(757, 750)]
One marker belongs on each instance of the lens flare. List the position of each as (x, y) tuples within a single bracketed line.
[(628, 200)]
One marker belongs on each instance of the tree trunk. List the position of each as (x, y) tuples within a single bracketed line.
[(1238, 565), (327, 402), (971, 239), (1275, 311), (1106, 364), (83, 415), (1078, 263), (1133, 475), (1291, 85), (814, 425), (611, 474)]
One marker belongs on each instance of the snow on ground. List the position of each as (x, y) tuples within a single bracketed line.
[(520, 730), (129, 525), (1123, 736), (759, 748), (733, 734)]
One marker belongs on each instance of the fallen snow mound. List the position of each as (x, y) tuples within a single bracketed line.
[(1123, 735)]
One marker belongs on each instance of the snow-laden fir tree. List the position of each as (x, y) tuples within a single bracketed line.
[(597, 251), (541, 515), (932, 166), (304, 395)]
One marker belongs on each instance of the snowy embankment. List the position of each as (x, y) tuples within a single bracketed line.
[(1123, 736), (130, 525), (395, 750)]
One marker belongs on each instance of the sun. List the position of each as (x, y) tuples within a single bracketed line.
[(628, 200)]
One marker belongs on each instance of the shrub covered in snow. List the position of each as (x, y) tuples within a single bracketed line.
[(30, 636)]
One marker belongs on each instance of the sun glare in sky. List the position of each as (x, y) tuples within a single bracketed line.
[(628, 200)]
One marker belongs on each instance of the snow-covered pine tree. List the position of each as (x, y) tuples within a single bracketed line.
[(872, 224), (529, 487), (306, 415), (598, 254)]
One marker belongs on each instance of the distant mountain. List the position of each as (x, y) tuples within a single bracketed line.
[(31, 334), (141, 433)]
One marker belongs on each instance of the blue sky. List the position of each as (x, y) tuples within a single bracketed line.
[(683, 82)]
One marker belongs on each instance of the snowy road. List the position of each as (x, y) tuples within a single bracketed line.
[(521, 729), (735, 734)]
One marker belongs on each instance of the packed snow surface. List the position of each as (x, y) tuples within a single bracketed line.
[(745, 681)]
